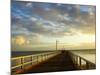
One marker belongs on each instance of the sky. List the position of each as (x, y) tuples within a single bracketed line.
[(37, 26)]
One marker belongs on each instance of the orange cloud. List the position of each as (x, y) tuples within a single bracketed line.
[(20, 40)]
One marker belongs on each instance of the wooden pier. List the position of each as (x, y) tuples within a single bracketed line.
[(51, 62)]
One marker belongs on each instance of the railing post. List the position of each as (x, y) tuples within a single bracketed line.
[(42, 58), (37, 59), (87, 65), (76, 60), (80, 63), (46, 56), (32, 59), (22, 62)]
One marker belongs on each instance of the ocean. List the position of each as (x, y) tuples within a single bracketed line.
[(24, 53)]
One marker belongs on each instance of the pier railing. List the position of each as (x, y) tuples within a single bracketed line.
[(22, 62), (82, 63)]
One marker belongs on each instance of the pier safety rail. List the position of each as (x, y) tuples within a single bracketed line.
[(81, 62), (22, 62)]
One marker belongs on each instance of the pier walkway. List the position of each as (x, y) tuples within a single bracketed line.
[(61, 62)]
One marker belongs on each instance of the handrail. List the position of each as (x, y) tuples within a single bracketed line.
[(31, 55), (83, 58), (19, 62), (75, 57)]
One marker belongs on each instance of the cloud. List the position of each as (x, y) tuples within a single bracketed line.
[(75, 16), (19, 40), (90, 45), (35, 20), (29, 4)]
